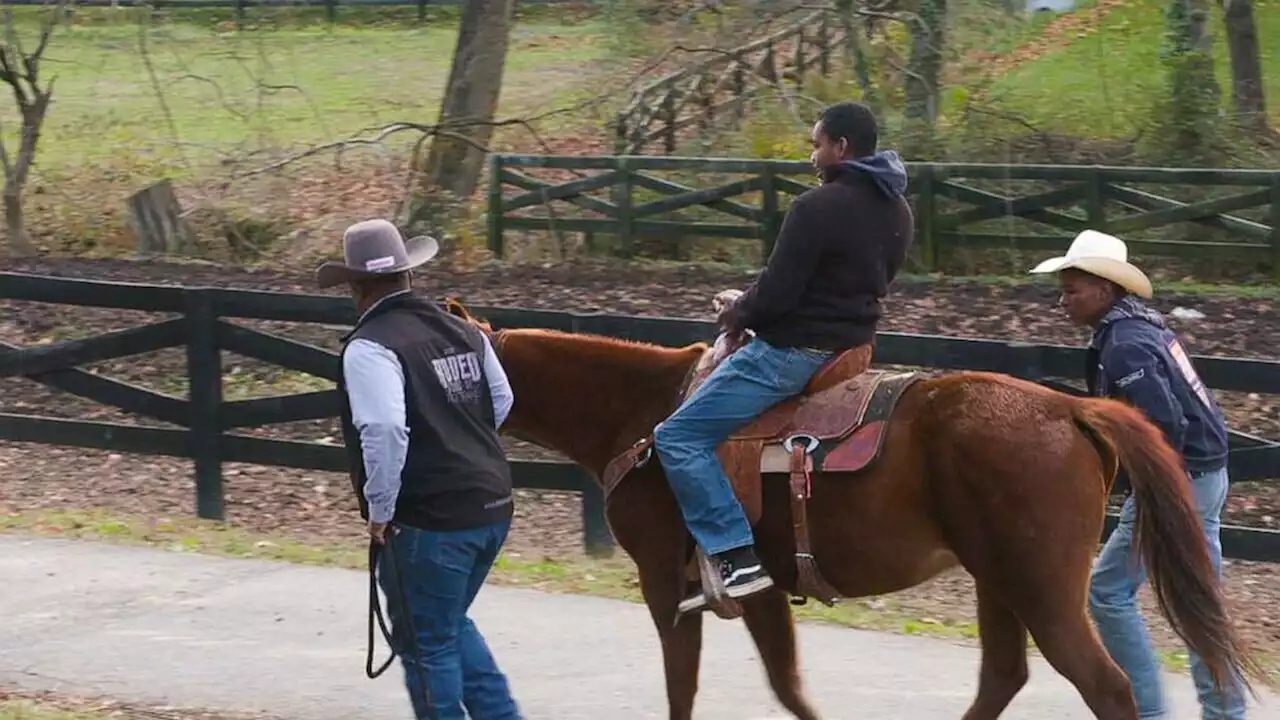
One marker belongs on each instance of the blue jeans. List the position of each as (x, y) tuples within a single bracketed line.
[(1112, 604), (748, 382), (441, 572)]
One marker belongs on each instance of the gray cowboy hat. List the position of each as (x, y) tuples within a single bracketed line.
[(376, 247)]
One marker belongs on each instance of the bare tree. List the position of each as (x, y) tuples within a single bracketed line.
[(20, 70), (1247, 91), (471, 96)]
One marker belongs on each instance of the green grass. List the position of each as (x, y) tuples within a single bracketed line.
[(290, 85), (1105, 84), (27, 710)]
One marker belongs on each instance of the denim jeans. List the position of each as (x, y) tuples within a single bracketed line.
[(748, 382), (441, 572), (1112, 604)]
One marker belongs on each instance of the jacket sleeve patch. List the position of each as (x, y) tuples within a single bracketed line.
[(1131, 378)]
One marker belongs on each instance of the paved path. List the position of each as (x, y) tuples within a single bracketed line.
[(151, 625)]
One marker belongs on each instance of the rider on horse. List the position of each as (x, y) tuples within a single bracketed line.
[(840, 246)]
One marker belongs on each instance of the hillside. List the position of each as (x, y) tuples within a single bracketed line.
[(1103, 81)]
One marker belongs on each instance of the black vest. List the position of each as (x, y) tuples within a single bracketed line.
[(455, 473)]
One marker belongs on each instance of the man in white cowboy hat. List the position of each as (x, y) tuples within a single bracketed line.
[(423, 395), (1135, 356)]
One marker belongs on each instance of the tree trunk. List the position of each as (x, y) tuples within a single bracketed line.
[(1247, 91), (924, 71), (854, 53), (471, 97), (924, 79), (19, 241), (157, 221)]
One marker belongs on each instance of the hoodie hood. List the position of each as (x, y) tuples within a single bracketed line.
[(886, 168), (1126, 308)]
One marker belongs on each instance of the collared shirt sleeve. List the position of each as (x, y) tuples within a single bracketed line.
[(1137, 374), (375, 389), (499, 386)]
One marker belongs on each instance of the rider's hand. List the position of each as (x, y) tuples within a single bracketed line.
[(727, 316)]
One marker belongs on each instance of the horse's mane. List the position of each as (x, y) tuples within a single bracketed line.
[(627, 351), (584, 391)]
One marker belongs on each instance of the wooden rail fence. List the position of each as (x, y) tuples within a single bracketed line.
[(709, 92), (207, 428), (978, 206)]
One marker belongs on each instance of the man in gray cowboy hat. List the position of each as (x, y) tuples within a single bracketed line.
[(1135, 356), (423, 396)]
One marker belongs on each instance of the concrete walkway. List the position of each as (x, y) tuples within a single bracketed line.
[(150, 625)]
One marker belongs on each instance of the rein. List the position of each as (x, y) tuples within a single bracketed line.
[(406, 616)]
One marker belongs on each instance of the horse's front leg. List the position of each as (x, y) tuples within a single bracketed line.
[(651, 531), (681, 644)]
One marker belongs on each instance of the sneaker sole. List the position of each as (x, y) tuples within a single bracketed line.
[(736, 593), (751, 588)]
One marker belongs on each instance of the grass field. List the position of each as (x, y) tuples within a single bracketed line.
[(229, 91), (1103, 85), (195, 98)]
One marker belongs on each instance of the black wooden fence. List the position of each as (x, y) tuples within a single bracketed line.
[(206, 422), (1177, 212)]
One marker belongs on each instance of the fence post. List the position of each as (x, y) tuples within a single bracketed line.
[(925, 211), (669, 116), (623, 199), (824, 46), (494, 241), (597, 540), (621, 134), (769, 208), (204, 391), (1095, 206), (1275, 227)]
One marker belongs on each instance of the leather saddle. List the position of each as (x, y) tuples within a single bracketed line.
[(836, 424)]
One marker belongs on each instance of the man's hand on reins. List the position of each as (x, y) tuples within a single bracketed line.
[(378, 531), (727, 315)]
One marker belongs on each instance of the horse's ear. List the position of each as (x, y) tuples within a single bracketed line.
[(453, 307)]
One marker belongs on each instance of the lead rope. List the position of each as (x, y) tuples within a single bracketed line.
[(375, 612)]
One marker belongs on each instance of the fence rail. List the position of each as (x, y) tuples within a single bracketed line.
[(1033, 207), (706, 93), (206, 422)]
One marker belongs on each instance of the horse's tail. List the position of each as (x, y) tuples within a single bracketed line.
[(1169, 538)]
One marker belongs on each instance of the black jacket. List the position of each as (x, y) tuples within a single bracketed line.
[(840, 246)]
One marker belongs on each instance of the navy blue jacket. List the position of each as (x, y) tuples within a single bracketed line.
[(1134, 356)]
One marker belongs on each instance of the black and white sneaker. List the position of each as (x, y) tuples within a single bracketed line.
[(742, 575)]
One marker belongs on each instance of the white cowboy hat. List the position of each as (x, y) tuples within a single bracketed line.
[(1103, 255)]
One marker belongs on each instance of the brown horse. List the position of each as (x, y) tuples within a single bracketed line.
[(1005, 477)]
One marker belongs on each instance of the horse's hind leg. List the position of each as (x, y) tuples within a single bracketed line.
[(1004, 656), (768, 618), (1065, 636)]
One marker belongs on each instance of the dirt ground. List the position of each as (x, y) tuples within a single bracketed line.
[(315, 505)]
